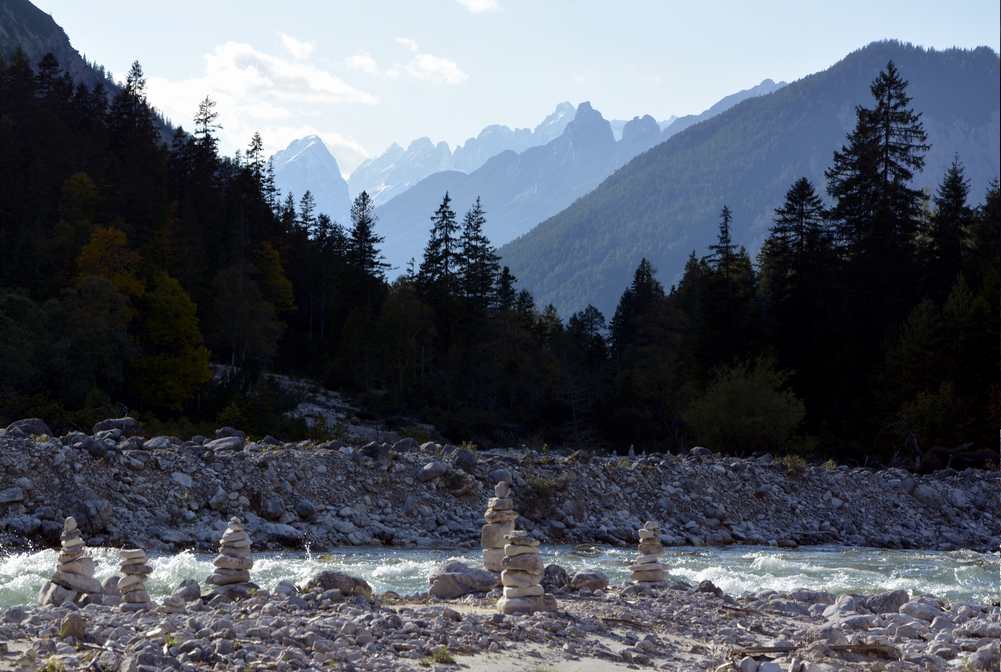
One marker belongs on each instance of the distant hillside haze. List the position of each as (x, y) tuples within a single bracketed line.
[(665, 203), (307, 164), (520, 190), (517, 190)]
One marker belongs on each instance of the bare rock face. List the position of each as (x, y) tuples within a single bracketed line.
[(73, 580)]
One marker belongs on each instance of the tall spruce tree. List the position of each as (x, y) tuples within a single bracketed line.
[(505, 290), (876, 211), (948, 228), (255, 159), (723, 252), (439, 270), (478, 262), (363, 242), (876, 214), (307, 213)]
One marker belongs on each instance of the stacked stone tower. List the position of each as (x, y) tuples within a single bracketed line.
[(647, 567), (500, 517), (521, 577), (232, 565), (132, 585), (74, 578)]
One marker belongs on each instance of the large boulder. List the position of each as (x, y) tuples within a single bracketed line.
[(887, 603), (348, 585), (554, 578), (987, 657), (12, 495), (224, 432), (927, 494), (30, 426), (464, 459), (375, 451), (158, 443), (405, 445), (127, 426), (226, 443), (432, 470), (455, 579), (589, 581)]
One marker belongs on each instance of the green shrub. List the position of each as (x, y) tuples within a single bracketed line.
[(746, 408), (440, 655), (795, 465)]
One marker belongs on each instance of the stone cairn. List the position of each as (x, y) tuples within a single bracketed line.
[(500, 517), (132, 585), (74, 578), (647, 567), (521, 577), (232, 565)]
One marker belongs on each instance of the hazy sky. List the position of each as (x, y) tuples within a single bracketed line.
[(365, 73)]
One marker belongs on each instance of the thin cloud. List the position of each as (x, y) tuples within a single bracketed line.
[(436, 69), (276, 95), (297, 48), (480, 6), (363, 62), (407, 43)]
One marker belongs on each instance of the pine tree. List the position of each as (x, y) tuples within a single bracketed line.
[(438, 274), (269, 189), (307, 214), (876, 209), (505, 290), (798, 265), (877, 213), (206, 126), (363, 242), (723, 251), (799, 243), (48, 74), (636, 302), (948, 229), (255, 159), (478, 262), (288, 218)]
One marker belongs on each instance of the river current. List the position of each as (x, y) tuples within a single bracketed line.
[(955, 575)]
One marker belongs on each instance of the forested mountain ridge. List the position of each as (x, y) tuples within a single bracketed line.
[(664, 203), (23, 26), (867, 330), (677, 125)]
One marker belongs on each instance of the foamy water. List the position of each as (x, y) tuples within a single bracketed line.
[(738, 570)]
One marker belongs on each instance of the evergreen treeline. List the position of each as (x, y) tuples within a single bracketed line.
[(867, 329)]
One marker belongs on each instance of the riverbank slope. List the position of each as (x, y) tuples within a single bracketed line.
[(164, 493)]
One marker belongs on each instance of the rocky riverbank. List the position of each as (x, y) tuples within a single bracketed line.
[(167, 493), (335, 622)]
